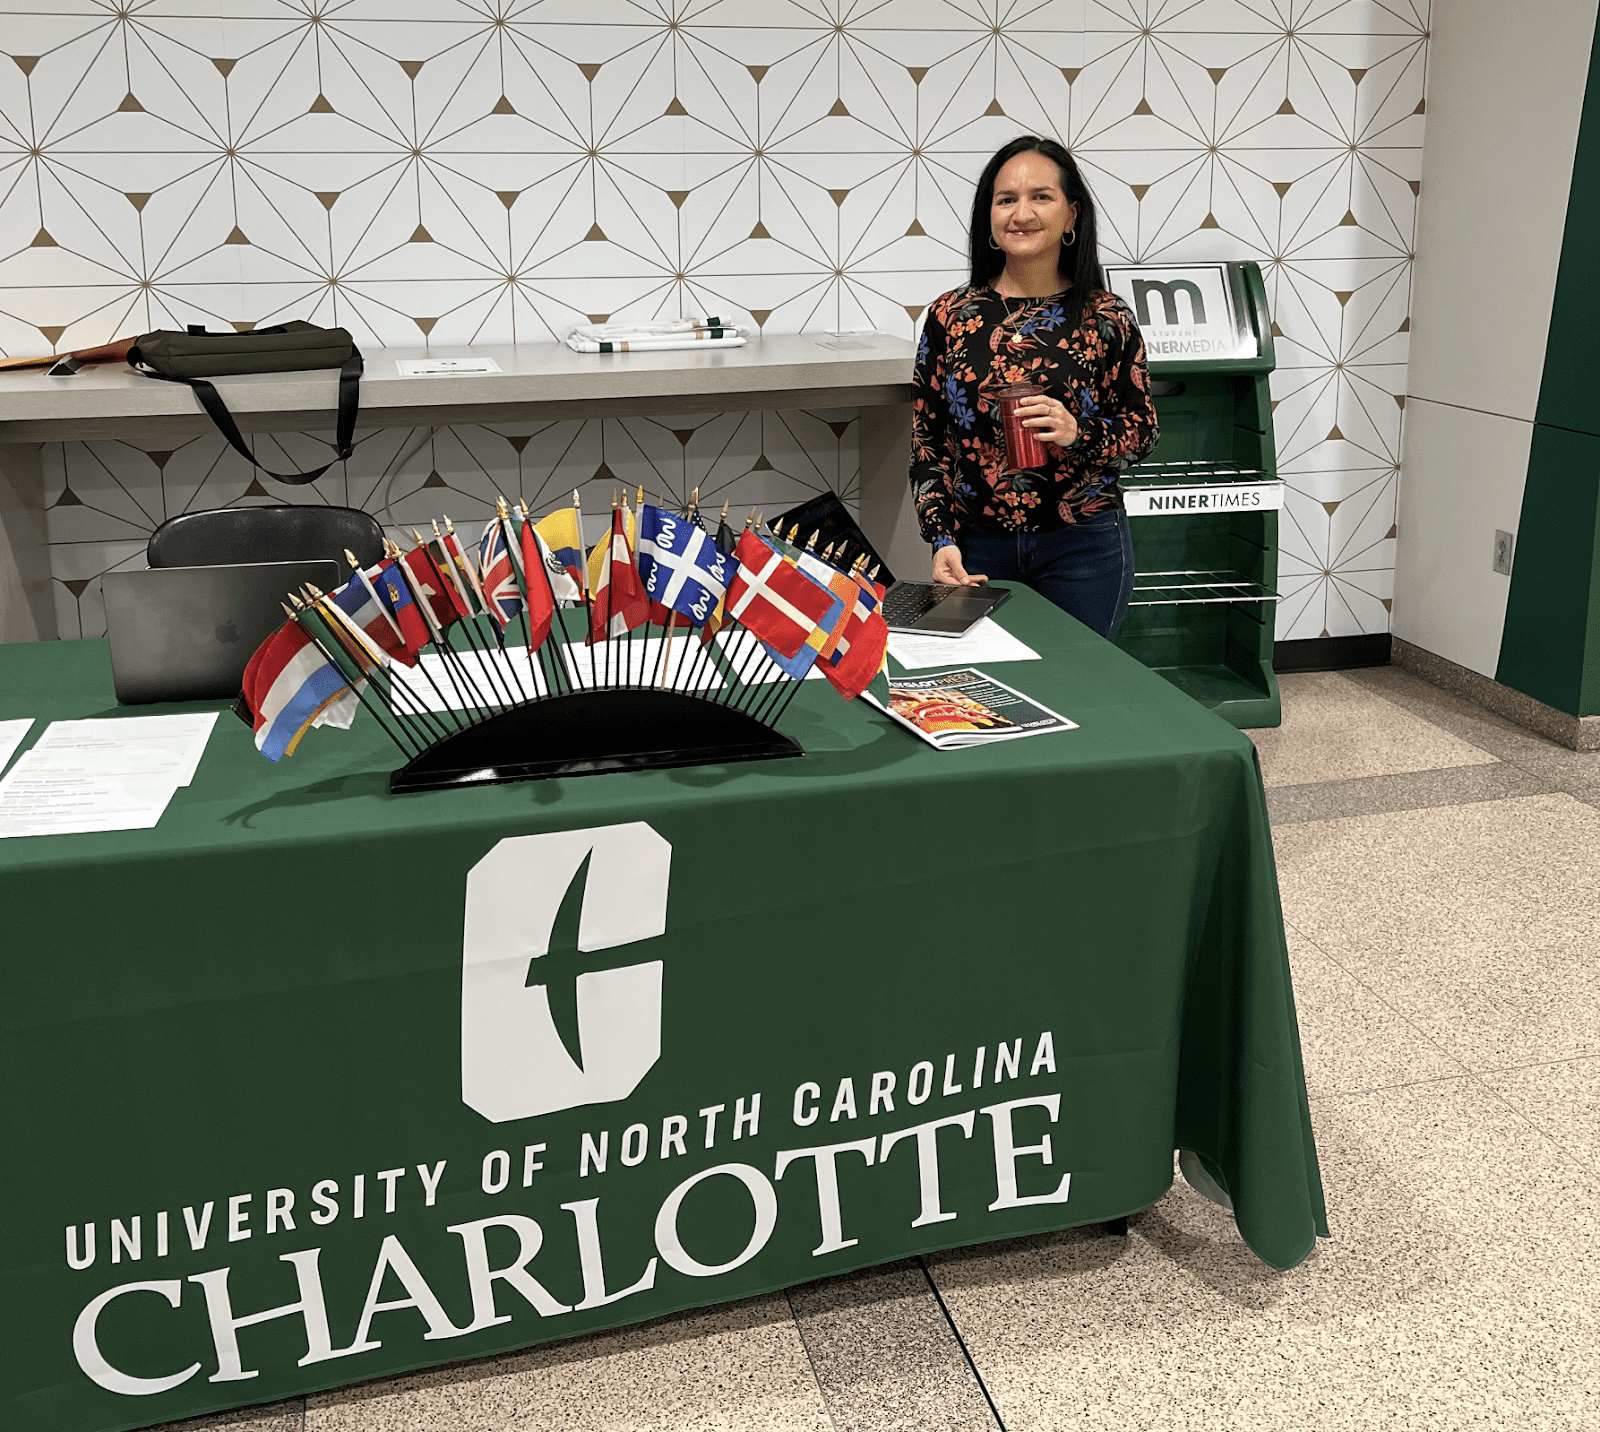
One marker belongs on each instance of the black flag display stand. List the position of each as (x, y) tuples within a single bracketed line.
[(475, 710), (585, 733)]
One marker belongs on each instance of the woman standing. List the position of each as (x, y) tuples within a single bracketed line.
[(1036, 311)]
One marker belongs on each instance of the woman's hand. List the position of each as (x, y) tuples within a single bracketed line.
[(1049, 419), (948, 571)]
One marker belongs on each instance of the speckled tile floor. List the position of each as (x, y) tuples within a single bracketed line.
[(1443, 909)]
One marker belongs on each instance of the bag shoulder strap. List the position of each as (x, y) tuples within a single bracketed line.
[(349, 402)]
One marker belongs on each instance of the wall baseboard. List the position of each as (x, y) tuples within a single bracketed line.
[(1576, 733), (1332, 653)]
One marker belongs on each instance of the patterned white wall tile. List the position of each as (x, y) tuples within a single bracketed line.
[(491, 171)]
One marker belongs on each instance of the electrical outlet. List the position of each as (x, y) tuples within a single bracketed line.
[(1502, 553)]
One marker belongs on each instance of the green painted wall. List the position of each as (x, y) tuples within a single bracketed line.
[(1550, 645)]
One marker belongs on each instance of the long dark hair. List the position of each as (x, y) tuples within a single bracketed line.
[(1080, 261)]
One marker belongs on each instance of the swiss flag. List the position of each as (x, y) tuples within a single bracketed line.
[(619, 603), (774, 598)]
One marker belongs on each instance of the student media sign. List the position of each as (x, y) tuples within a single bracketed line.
[(601, 1074), (1185, 311)]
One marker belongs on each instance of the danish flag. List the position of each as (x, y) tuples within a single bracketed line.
[(774, 598)]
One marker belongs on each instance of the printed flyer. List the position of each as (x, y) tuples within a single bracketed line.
[(955, 709)]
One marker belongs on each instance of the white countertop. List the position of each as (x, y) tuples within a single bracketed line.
[(536, 380)]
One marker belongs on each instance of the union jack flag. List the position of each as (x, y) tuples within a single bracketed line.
[(501, 594)]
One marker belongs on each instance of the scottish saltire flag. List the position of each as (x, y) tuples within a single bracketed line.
[(682, 568), (564, 537), (287, 686), (501, 594)]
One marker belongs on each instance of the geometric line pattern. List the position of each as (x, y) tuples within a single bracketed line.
[(493, 171)]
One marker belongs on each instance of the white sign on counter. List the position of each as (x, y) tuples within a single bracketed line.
[(444, 367)]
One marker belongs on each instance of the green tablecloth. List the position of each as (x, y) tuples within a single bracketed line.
[(284, 1001)]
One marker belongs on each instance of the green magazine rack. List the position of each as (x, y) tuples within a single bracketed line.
[(1203, 508)]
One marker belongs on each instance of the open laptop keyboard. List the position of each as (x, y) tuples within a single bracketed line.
[(906, 601)]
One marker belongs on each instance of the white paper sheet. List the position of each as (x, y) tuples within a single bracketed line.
[(36, 799), (441, 685), (11, 734), (109, 773), (987, 642), (131, 745), (634, 663), (444, 367)]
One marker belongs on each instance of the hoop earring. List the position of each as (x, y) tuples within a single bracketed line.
[(992, 243), (1069, 238)]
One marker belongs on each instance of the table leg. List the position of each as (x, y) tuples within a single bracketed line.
[(1115, 1228), (27, 603), (886, 514)]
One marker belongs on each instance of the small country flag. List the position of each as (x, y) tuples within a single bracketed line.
[(288, 684), (774, 598), (618, 603)]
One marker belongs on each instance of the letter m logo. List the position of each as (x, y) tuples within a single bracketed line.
[(1144, 287), (514, 1063)]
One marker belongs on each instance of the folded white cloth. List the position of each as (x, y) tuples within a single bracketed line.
[(669, 333)]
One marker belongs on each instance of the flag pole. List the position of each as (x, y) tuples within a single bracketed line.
[(350, 557), (558, 660), (460, 677), (360, 647), (353, 686), (505, 533), (479, 684), (638, 529), (464, 561), (498, 687), (699, 661), (392, 552), (583, 584), (736, 649)]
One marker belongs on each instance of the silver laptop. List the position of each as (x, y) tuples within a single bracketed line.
[(932, 609), (187, 633)]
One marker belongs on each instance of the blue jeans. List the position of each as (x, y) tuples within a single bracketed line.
[(1086, 569)]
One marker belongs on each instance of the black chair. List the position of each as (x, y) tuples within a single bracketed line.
[(223, 536)]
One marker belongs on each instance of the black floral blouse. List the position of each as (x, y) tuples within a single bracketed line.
[(976, 342)]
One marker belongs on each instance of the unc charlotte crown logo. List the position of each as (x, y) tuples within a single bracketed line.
[(514, 1064)]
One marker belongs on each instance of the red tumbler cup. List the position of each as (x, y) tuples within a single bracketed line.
[(1023, 450)]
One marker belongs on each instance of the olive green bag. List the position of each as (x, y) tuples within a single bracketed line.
[(196, 356)]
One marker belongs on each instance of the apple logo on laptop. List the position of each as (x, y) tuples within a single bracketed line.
[(227, 632)]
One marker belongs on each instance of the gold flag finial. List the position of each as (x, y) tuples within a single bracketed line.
[(350, 557)]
